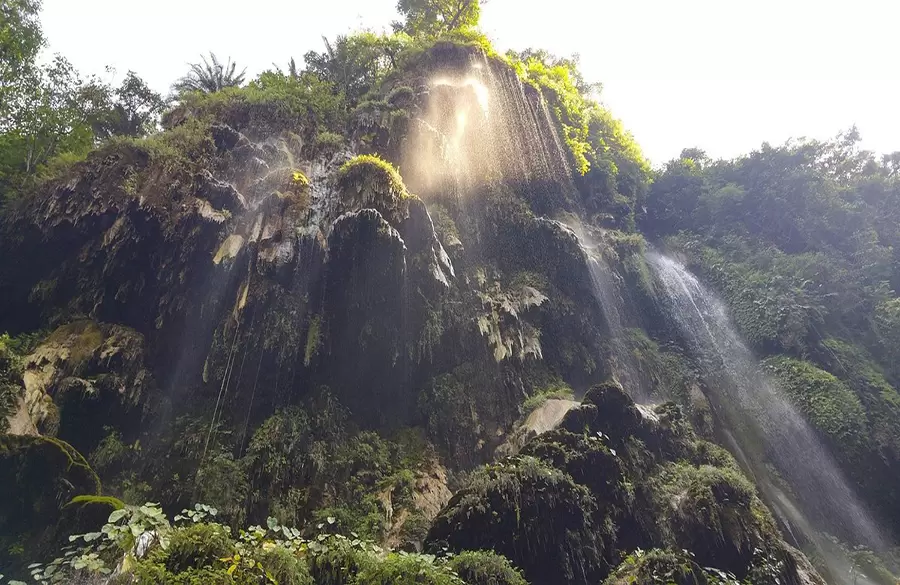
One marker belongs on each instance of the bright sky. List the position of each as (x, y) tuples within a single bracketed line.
[(724, 75)]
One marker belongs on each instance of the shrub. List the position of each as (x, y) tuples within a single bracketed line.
[(197, 546), (285, 568), (486, 568), (338, 562), (405, 569), (369, 181)]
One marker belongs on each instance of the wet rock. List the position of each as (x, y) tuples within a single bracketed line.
[(222, 195), (94, 373), (544, 418), (227, 138), (533, 514), (365, 298)]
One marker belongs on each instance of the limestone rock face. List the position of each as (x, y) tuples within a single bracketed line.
[(95, 372), (252, 310)]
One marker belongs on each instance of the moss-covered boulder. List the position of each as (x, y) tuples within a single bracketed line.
[(661, 567), (486, 568), (86, 376), (618, 477), (713, 512), (533, 514), (369, 182)]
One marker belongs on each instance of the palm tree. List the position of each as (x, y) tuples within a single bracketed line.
[(210, 76)]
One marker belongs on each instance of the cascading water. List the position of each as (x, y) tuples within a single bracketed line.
[(607, 288), (481, 126), (763, 427)]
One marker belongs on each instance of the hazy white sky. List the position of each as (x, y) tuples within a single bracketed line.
[(724, 75)]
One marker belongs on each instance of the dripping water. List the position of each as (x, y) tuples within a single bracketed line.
[(608, 288)]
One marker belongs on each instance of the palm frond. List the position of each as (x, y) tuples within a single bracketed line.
[(210, 75)]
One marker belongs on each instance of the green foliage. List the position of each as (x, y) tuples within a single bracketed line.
[(432, 18), (485, 568), (49, 115), (11, 385), (313, 340), (20, 41), (283, 567), (95, 552), (197, 546), (615, 175), (832, 408), (272, 103), (307, 466), (666, 567), (132, 109), (354, 65)]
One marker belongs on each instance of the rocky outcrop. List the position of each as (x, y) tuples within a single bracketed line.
[(611, 481), (94, 372)]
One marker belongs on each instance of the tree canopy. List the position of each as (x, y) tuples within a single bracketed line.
[(433, 17)]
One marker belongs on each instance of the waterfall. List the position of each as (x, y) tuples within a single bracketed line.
[(480, 125), (763, 427), (607, 288)]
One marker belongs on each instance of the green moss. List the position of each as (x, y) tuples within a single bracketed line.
[(369, 181), (829, 405), (486, 568), (403, 569), (109, 501), (313, 340), (659, 567)]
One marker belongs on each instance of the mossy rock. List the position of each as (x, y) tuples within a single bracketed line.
[(607, 409), (534, 515), (368, 181), (714, 513), (585, 458), (486, 568), (659, 567)]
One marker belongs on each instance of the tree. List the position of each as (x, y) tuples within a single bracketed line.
[(132, 109), (20, 42), (434, 17), (50, 116), (210, 76), (355, 63)]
